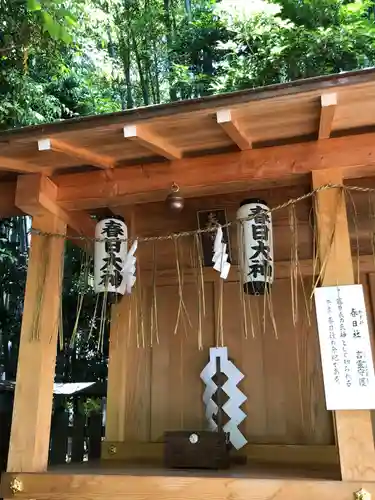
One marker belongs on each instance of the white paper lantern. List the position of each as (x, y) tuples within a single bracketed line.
[(256, 254), (110, 255)]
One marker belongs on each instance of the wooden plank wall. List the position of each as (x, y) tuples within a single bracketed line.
[(154, 220), (283, 380)]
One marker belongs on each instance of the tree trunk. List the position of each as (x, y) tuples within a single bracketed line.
[(156, 73), (125, 59), (142, 75), (168, 27), (188, 9)]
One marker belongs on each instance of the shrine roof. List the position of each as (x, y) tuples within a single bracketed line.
[(254, 118), (274, 135)]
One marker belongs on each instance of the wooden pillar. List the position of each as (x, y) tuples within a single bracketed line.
[(118, 359), (117, 371), (128, 389), (353, 428), (29, 441)]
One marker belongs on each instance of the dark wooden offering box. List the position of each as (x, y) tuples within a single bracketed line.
[(196, 450)]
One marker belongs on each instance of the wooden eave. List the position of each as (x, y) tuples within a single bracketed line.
[(273, 135)]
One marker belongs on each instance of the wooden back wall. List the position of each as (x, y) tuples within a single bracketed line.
[(283, 378)]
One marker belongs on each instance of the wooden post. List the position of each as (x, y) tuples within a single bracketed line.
[(115, 411), (29, 441), (118, 360), (353, 428), (128, 389)]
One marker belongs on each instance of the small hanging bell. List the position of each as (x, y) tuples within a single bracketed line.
[(174, 201)]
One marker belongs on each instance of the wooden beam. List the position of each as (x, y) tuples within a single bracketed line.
[(217, 174), (327, 113), (233, 130), (36, 195), (8, 208), (86, 156), (160, 484), (18, 165), (29, 440), (147, 139), (353, 428)]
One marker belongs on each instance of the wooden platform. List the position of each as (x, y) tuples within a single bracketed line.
[(269, 471), (104, 481)]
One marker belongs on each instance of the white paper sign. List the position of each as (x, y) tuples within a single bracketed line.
[(345, 348)]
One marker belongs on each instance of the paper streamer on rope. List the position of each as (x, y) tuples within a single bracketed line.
[(220, 257), (130, 268), (236, 398)]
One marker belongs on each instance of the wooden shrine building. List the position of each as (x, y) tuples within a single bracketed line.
[(275, 143)]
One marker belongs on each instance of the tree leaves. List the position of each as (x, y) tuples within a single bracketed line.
[(55, 20), (55, 29), (307, 38), (33, 5)]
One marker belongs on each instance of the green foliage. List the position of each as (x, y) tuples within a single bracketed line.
[(295, 40), (53, 18), (61, 59), (13, 263)]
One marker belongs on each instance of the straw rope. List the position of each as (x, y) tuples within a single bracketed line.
[(257, 315), (184, 234)]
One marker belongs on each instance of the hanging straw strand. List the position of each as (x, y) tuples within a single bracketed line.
[(348, 194), (371, 203), (196, 267), (241, 261), (182, 311), (154, 306), (42, 276), (293, 225)]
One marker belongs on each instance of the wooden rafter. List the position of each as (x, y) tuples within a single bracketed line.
[(83, 154), (232, 128), (203, 176), (36, 196), (327, 113), (149, 140)]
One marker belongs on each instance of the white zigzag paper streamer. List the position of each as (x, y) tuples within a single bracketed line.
[(130, 268), (211, 407), (220, 257), (236, 397)]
